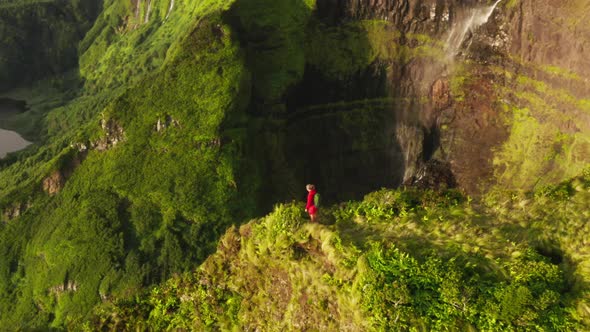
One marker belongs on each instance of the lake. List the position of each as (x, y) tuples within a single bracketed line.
[(11, 141)]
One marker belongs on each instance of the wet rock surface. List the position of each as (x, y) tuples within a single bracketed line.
[(451, 92), (434, 174)]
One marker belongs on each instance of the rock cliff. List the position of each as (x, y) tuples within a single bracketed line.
[(457, 92)]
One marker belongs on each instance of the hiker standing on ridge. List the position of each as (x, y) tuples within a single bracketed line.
[(311, 206)]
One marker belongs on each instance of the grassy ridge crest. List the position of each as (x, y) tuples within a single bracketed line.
[(398, 260)]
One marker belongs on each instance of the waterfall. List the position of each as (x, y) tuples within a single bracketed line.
[(170, 9), (475, 18), (148, 10), (416, 122), (410, 136)]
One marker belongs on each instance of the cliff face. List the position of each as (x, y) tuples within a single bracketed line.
[(379, 88), (542, 89), (468, 83), (375, 86), (551, 33)]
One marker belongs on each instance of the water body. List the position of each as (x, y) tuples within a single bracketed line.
[(11, 141)]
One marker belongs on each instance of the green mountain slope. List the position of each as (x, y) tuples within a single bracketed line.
[(145, 187), (398, 260), (186, 118)]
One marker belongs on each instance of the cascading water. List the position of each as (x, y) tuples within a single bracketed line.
[(415, 124), (148, 11), (475, 18), (170, 9)]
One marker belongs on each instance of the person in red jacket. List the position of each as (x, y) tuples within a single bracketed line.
[(310, 207)]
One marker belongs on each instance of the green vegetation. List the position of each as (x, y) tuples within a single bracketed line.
[(398, 260), (174, 128), (542, 109), (511, 4), (120, 222), (458, 81), (273, 33), (127, 43), (561, 72), (547, 142), (155, 203), (342, 51)]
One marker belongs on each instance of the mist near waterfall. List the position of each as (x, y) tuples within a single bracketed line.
[(468, 21), (417, 121)]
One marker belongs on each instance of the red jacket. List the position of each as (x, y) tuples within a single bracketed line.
[(310, 197)]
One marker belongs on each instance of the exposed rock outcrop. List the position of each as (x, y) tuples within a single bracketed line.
[(441, 94), (168, 121), (69, 286), (113, 135), (54, 183), (463, 103), (410, 15), (15, 210), (435, 174), (552, 33)]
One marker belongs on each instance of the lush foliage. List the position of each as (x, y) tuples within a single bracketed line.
[(175, 127), (155, 203), (398, 260), (128, 216)]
